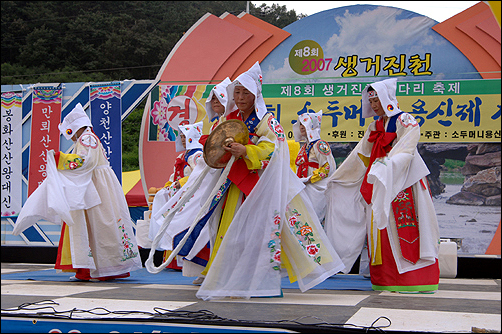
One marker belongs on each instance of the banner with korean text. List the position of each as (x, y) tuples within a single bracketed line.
[(459, 111), (11, 138), (106, 122), (447, 111), (45, 118)]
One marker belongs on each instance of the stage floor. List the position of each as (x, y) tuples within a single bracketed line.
[(37, 299)]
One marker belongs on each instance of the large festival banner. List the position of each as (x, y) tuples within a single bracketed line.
[(45, 118), (107, 124), (447, 111), (11, 138)]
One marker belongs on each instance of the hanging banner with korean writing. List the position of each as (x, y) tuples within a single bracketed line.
[(45, 118), (175, 105), (11, 137), (447, 111), (106, 121)]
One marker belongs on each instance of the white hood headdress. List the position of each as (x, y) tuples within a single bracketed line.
[(386, 92), (312, 124), (220, 90), (252, 80), (76, 119), (192, 133)]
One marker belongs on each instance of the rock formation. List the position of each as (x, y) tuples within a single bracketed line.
[(482, 176)]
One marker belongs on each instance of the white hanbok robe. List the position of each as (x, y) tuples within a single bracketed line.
[(164, 195), (349, 219), (90, 200), (276, 218)]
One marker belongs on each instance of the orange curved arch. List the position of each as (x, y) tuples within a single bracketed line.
[(203, 49), (259, 36), (476, 33), (212, 49), (278, 36)]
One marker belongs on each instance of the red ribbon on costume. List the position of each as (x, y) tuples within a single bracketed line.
[(403, 207), (303, 163), (56, 157), (245, 179), (203, 139), (303, 169), (382, 145), (179, 166)]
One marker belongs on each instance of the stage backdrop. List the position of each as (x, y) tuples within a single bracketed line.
[(448, 78)]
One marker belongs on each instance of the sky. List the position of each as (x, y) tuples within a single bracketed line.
[(436, 10)]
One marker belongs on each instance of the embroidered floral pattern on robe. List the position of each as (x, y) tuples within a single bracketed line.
[(275, 243), (304, 234)]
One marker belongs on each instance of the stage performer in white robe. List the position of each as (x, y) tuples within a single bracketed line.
[(380, 192), (314, 161), (215, 109), (97, 238), (262, 225), (188, 143)]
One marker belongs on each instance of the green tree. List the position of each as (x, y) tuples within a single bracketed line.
[(276, 15), (119, 39), (83, 41), (130, 137)]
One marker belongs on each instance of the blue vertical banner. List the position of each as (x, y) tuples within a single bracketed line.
[(106, 117), (11, 145)]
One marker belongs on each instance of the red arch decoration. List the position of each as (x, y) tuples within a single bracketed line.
[(476, 33), (212, 49)]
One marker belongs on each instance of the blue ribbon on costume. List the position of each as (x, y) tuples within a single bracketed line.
[(200, 224)]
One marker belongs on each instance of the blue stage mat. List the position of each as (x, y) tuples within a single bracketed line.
[(171, 276)]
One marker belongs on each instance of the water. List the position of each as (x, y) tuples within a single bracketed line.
[(475, 225)]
